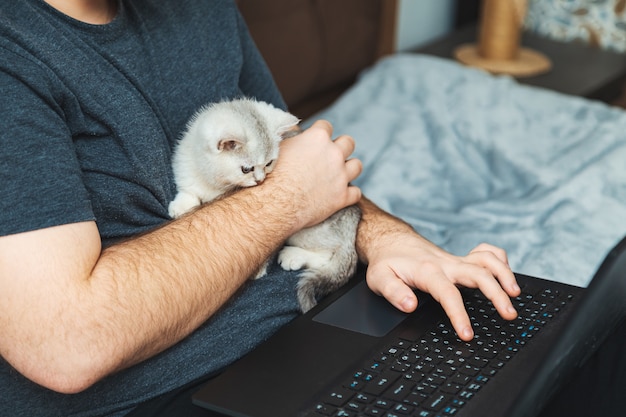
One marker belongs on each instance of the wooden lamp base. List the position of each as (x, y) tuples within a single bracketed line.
[(526, 63)]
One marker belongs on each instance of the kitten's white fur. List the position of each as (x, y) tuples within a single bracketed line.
[(234, 144), (221, 139)]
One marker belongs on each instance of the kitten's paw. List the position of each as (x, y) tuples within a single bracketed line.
[(183, 203), (292, 258)]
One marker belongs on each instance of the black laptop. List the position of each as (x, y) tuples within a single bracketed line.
[(355, 355)]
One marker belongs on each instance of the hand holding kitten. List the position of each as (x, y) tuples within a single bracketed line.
[(316, 171)]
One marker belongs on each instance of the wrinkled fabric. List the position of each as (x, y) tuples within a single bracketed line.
[(466, 157)]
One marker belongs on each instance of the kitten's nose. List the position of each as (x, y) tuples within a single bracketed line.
[(259, 177)]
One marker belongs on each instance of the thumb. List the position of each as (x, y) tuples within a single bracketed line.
[(384, 281)]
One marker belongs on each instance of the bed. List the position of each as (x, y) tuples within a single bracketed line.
[(463, 156)]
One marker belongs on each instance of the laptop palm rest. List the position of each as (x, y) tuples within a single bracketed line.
[(376, 317)]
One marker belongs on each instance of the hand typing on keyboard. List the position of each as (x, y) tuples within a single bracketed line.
[(400, 260)]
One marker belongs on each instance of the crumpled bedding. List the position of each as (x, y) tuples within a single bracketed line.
[(466, 157)]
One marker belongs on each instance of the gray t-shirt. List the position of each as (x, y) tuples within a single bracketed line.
[(89, 118)]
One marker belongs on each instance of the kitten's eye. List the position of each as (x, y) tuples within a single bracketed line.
[(247, 170), (270, 163)]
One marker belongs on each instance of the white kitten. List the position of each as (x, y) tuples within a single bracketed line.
[(227, 145), (235, 144)]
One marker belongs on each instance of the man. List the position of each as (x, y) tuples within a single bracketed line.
[(102, 296)]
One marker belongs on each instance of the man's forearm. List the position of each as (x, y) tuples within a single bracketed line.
[(375, 225), (142, 296), (187, 270)]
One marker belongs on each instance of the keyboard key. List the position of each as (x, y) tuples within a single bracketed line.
[(338, 397), (375, 412), (363, 398), (381, 383), (451, 388), (403, 409), (460, 379), (416, 399), (425, 389), (322, 410), (399, 391), (438, 402)]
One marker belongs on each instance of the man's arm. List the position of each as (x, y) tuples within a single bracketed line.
[(71, 314), (399, 259)]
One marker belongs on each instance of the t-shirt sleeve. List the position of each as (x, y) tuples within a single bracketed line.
[(40, 175)]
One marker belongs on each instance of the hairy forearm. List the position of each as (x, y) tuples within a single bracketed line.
[(189, 268), (184, 272), (375, 227), (142, 295)]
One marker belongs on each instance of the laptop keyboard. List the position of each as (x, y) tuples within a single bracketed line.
[(436, 374)]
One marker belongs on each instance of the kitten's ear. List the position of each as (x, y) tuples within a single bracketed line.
[(287, 125), (280, 121), (228, 144), (290, 132)]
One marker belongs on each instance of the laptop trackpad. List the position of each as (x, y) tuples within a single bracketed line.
[(360, 310)]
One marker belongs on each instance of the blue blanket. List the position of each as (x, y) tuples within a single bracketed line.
[(466, 157)]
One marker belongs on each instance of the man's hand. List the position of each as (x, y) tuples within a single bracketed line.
[(313, 165), (399, 260)]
